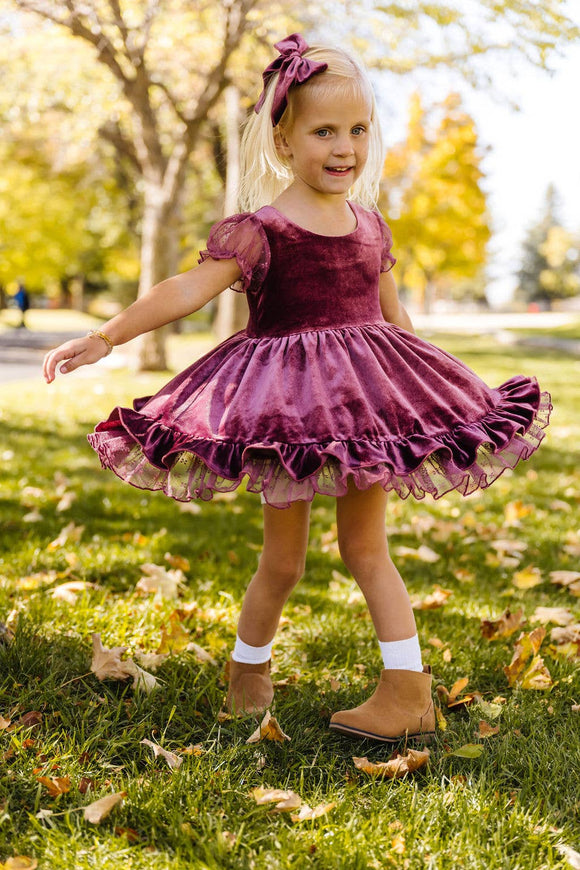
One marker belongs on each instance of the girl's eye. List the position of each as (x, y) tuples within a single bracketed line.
[(358, 131), (322, 133)]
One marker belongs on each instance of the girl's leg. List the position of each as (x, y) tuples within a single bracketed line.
[(401, 705), (280, 568), (362, 541)]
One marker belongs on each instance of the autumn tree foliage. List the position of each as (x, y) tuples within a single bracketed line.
[(550, 267), (432, 194)]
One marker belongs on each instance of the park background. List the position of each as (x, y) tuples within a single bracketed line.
[(119, 151)]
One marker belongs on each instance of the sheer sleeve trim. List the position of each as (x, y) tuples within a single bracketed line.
[(387, 259), (241, 236)]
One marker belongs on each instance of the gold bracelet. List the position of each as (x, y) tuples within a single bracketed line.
[(106, 339)]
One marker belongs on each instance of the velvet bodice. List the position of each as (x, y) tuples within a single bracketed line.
[(297, 280)]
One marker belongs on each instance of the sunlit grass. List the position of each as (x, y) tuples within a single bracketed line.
[(510, 808)]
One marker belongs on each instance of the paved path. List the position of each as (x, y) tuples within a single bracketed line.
[(22, 350)]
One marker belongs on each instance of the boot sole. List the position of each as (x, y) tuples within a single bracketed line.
[(422, 736)]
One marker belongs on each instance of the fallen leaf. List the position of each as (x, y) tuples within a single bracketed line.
[(306, 813), (55, 785), (107, 664), (528, 676), (435, 599), (564, 578), (527, 578), (436, 642), (99, 810), (576, 708), (175, 638), (422, 553), (514, 511), (507, 623), (468, 750), (441, 720), (70, 591), (508, 547), (268, 729), (568, 634), (4, 723), (284, 800), (173, 760), (20, 862), (179, 562), (69, 535), (457, 687), (200, 653), (398, 844), (570, 854), (157, 579), (486, 730), (66, 501), (491, 710), (395, 767), (151, 661), (196, 750), (557, 615)]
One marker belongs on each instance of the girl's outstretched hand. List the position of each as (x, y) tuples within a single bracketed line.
[(78, 352)]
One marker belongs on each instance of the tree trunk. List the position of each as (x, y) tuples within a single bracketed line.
[(149, 349), (232, 310)]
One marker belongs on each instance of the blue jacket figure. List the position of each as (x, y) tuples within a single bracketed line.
[(22, 300)]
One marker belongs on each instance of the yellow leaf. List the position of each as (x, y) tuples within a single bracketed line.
[(268, 729), (398, 844), (395, 767), (55, 785), (537, 676), (527, 578), (435, 599), (173, 639), (179, 562), (515, 511), (99, 810), (441, 720), (458, 687)]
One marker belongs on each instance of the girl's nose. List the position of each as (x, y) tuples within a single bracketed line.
[(343, 146)]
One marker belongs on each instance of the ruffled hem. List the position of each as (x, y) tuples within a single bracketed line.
[(150, 455)]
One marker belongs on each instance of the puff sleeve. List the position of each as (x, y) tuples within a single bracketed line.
[(241, 236), (387, 259)]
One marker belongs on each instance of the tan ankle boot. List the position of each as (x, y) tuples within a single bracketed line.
[(401, 706), (250, 688)]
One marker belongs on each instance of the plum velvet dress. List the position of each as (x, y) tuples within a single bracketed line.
[(319, 388)]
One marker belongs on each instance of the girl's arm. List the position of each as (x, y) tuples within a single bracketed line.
[(165, 302), (391, 306)]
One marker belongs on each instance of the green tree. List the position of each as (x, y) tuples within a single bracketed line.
[(550, 258), (433, 196)]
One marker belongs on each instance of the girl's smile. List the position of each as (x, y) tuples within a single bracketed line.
[(327, 143)]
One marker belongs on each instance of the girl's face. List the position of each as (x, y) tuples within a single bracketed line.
[(327, 144)]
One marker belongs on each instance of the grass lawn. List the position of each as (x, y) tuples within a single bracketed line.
[(516, 805)]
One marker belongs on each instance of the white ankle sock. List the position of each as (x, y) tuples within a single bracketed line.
[(251, 655), (404, 655)]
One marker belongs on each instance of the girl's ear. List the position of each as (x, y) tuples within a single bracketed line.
[(281, 143)]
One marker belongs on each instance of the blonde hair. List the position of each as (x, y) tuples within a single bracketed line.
[(263, 172)]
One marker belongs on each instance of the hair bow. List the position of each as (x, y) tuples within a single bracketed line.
[(293, 70)]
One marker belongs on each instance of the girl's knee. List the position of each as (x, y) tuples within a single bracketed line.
[(283, 573), (362, 557)]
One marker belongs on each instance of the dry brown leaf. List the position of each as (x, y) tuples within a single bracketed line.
[(528, 577), (173, 639), (55, 785), (395, 767), (20, 862), (570, 854), (150, 661), (504, 546), (436, 642), (4, 723), (284, 800), (507, 623), (567, 634), (557, 615), (107, 664), (576, 708), (457, 687), (486, 730), (435, 599), (99, 810), (268, 729), (306, 813), (157, 579), (447, 655), (174, 761)]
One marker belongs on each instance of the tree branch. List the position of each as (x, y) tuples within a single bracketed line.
[(112, 133)]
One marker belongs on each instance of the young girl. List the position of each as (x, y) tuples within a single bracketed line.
[(326, 390)]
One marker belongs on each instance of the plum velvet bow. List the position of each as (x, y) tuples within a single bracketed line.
[(294, 70)]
